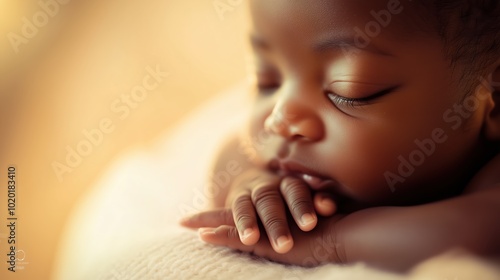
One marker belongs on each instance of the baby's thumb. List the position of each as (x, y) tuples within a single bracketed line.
[(324, 204)]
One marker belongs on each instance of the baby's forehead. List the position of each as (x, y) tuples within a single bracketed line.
[(303, 20)]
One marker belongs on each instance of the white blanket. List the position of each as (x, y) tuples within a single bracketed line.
[(126, 227)]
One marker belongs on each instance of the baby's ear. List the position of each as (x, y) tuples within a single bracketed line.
[(491, 86)]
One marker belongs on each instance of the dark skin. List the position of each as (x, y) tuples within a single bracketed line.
[(337, 122)]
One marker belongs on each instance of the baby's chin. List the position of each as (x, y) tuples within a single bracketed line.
[(356, 197), (359, 199)]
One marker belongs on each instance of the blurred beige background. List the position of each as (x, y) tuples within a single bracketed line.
[(78, 72)]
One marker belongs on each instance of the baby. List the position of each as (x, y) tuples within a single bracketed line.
[(375, 132)]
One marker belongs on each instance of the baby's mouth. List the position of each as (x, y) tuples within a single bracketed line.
[(315, 182)]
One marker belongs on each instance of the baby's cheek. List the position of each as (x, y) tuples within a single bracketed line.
[(406, 167), (366, 182), (369, 163)]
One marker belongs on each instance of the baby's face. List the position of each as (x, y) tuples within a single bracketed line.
[(352, 91)]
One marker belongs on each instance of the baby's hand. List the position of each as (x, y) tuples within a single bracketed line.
[(261, 193), (310, 249)]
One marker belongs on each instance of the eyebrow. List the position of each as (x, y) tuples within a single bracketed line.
[(323, 45), (349, 43)]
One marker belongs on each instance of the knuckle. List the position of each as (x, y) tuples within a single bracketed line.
[(243, 220), (274, 224), (241, 201), (243, 211), (226, 216), (300, 205), (243, 217), (264, 187), (297, 195), (232, 233), (267, 202), (290, 184), (264, 194)]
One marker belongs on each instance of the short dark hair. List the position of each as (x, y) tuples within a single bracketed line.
[(470, 30)]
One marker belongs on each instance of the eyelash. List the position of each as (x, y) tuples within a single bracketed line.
[(356, 102), (345, 101), (267, 88), (341, 101)]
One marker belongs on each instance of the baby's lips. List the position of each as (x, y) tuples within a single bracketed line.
[(316, 183), (312, 181)]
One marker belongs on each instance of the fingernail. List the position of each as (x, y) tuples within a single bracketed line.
[(206, 231), (282, 241), (246, 233), (307, 219)]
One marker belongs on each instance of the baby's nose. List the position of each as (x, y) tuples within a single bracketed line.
[(294, 123)]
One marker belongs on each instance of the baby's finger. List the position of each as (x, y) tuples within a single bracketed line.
[(228, 236), (324, 204), (298, 198), (213, 218), (271, 211), (246, 220), (223, 235)]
